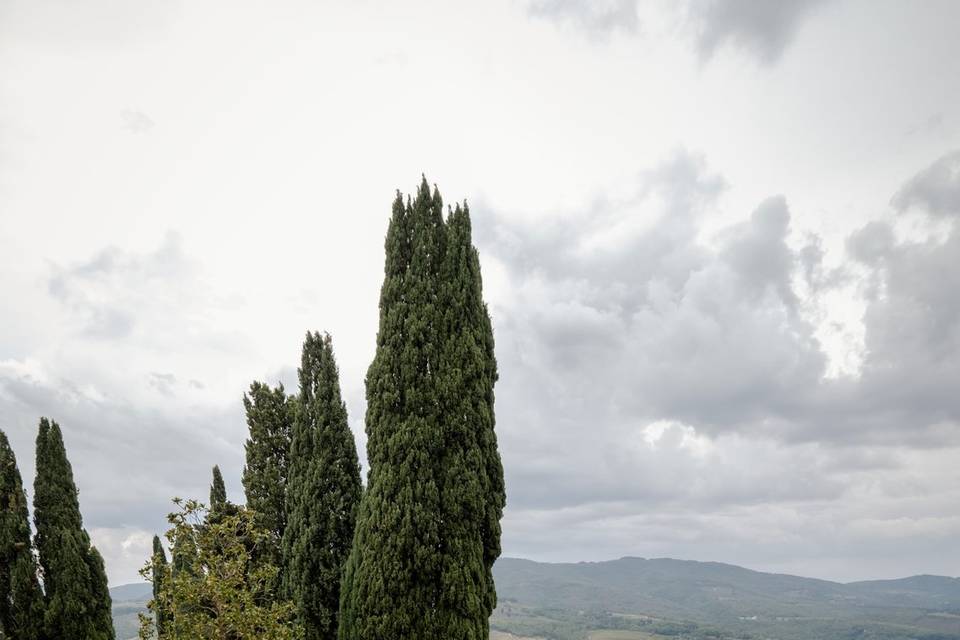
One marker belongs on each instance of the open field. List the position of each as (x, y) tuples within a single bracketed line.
[(622, 635), (502, 635)]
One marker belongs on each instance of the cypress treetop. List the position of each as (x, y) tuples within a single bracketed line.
[(270, 414), (428, 527), (75, 583), (218, 491), (323, 491), (21, 599)]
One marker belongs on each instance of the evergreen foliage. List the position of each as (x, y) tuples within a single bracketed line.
[(323, 491), (21, 599), (428, 528), (75, 583), (270, 414), (218, 492), (473, 488), (219, 593), (159, 571)]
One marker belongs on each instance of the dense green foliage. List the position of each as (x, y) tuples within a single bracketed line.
[(219, 592), (428, 529), (472, 485), (74, 580), (323, 491), (270, 415), (21, 599)]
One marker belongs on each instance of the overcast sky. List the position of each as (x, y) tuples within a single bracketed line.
[(720, 245)]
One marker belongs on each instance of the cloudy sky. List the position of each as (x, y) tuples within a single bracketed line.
[(720, 244)]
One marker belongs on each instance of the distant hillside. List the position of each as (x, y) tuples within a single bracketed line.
[(638, 599), (128, 601), (709, 599)]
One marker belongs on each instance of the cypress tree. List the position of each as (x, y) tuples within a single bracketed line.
[(158, 574), (323, 491), (102, 607), (218, 492), (270, 414), (21, 599), (428, 528), (75, 583), (473, 487)]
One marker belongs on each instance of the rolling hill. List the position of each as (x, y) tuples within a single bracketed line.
[(640, 599), (709, 599)]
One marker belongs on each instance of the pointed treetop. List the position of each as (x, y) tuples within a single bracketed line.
[(42, 436), (218, 491), (158, 549), (21, 600)]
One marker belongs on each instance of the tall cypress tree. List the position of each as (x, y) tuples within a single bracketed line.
[(323, 491), (428, 529), (270, 415), (158, 574), (21, 599), (75, 583), (472, 486)]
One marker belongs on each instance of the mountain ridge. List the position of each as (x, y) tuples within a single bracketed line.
[(656, 598), (731, 565)]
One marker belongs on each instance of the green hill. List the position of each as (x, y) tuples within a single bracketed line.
[(638, 599), (128, 601), (709, 599)]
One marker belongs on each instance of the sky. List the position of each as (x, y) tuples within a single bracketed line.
[(720, 243)]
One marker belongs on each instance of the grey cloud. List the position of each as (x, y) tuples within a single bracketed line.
[(112, 443), (912, 323), (162, 382), (602, 337), (764, 29), (685, 331), (595, 17), (759, 253), (103, 292), (935, 190), (137, 428), (931, 125), (760, 29), (872, 243)]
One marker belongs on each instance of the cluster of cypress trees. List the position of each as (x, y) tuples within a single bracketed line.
[(73, 601), (411, 557), (302, 479)]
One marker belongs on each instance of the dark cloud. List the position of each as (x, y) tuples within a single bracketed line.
[(935, 190), (764, 29)]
